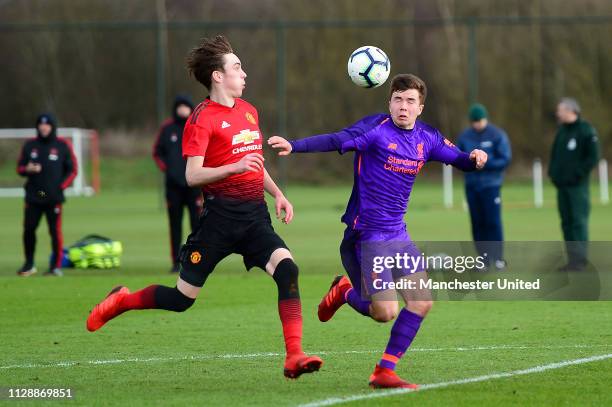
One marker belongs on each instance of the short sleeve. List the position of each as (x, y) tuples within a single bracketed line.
[(195, 140)]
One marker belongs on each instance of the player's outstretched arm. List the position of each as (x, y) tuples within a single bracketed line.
[(197, 175), (281, 204), (326, 142), (315, 144)]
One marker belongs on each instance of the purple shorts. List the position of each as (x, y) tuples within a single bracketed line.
[(376, 259)]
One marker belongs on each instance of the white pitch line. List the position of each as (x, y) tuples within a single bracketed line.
[(275, 354), (386, 393)]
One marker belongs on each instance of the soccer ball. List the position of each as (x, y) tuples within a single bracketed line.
[(369, 67)]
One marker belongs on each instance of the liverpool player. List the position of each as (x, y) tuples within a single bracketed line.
[(49, 165), (223, 146), (390, 150)]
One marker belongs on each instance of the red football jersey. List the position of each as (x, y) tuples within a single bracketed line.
[(223, 135)]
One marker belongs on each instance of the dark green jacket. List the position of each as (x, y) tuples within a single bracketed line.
[(574, 153)]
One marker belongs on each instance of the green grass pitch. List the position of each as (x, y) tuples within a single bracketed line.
[(228, 349)]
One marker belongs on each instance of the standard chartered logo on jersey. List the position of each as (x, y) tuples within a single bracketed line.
[(246, 137)]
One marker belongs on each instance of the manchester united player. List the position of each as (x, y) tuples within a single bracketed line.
[(223, 146)]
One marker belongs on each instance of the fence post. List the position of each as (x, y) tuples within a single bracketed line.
[(604, 195), (447, 180), (538, 187)]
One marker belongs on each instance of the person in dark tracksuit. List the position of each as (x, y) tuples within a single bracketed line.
[(575, 152), (167, 153), (483, 188), (50, 166)]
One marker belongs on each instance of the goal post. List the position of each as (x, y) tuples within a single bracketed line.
[(84, 143)]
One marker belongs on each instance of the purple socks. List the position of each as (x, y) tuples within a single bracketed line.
[(353, 299), (403, 332)]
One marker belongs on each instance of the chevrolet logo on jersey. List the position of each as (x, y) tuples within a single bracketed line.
[(245, 137)]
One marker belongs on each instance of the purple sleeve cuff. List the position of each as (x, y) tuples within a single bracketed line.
[(463, 162), (298, 146)]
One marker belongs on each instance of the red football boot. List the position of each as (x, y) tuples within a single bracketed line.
[(384, 378), (299, 363), (107, 309), (334, 298)]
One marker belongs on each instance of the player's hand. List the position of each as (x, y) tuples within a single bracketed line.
[(279, 143), (33, 168), (282, 204), (253, 162), (480, 157)]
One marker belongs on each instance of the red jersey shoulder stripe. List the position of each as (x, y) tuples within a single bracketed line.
[(198, 109)]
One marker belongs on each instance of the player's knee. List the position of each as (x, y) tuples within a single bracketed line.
[(286, 278), (385, 312), (421, 307)]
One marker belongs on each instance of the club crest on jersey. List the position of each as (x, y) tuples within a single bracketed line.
[(392, 146), (250, 118), (174, 138), (195, 257), (225, 125), (53, 154), (420, 155), (34, 153)]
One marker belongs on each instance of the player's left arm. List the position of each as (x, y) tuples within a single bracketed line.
[(502, 154), (281, 203), (70, 167), (447, 153)]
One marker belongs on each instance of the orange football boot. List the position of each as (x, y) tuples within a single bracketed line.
[(107, 309), (298, 363), (334, 298), (384, 378)]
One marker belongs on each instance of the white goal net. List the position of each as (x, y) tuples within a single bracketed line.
[(84, 142)]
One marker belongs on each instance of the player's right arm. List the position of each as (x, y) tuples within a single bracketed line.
[(197, 175), (326, 142)]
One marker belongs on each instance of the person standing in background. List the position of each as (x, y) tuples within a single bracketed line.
[(483, 188), (49, 165), (167, 153), (574, 154)]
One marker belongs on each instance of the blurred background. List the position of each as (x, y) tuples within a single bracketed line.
[(116, 65)]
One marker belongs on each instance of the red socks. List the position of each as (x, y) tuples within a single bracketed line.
[(290, 312), (143, 299)]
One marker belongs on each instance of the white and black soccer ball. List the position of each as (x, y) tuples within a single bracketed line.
[(369, 67)]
